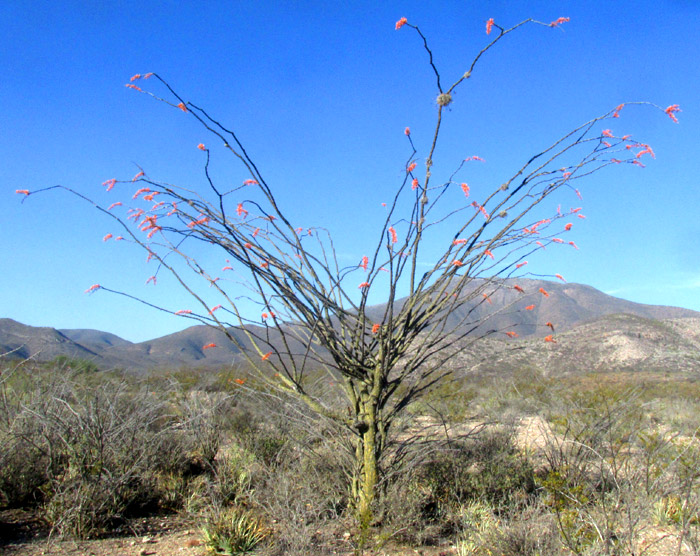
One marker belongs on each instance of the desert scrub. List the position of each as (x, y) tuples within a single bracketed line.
[(488, 467)]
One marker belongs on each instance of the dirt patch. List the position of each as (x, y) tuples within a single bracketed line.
[(22, 534)]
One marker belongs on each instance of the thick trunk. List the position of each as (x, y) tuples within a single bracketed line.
[(367, 457)]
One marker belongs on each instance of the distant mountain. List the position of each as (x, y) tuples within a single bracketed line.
[(590, 327), (98, 341), (620, 342), (566, 306), (40, 343)]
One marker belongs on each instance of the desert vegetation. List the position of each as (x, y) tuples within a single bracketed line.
[(521, 464), (347, 428)]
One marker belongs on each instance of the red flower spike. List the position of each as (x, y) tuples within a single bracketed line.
[(201, 147), (22, 191), (183, 312), (109, 184), (543, 292), (465, 188), (489, 254), (241, 381), (518, 288), (616, 114), (363, 285), (573, 245), (512, 334), (411, 167), (550, 325), (211, 312), (487, 298), (392, 233), (108, 236), (401, 22), (559, 21), (529, 307), (139, 175), (489, 26), (135, 77), (375, 328), (151, 279), (407, 132), (364, 262), (550, 339), (671, 110), (414, 184), (607, 133), (251, 182), (266, 356), (521, 264), (93, 288), (459, 242), (182, 107), (560, 277), (568, 226), (209, 346), (457, 263)]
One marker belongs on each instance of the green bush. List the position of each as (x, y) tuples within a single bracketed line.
[(488, 467)]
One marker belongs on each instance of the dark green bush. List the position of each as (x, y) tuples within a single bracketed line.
[(488, 467)]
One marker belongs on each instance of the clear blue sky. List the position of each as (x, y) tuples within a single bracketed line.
[(320, 93)]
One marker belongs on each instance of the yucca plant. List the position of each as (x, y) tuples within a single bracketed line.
[(233, 531)]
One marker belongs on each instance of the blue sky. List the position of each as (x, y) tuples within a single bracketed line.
[(320, 93)]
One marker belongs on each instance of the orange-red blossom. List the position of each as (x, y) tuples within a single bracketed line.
[(401, 22), (393, 235), (559, 21), (209, 346), (671, 110)]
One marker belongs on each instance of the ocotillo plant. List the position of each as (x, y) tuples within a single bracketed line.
[(313, 312)]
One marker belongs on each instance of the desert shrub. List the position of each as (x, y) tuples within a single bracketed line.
[(528, 532), (90, 456), (78, 365), (305, 494), (488, 467)]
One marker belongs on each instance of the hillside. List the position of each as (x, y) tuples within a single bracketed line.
[(593, 330)]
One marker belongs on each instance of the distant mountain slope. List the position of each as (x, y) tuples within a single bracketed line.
[(608, 343), (41, 343), (95, 340), (578, 313), (567, 305)]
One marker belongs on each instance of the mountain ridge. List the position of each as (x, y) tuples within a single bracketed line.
[(568, 306)]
